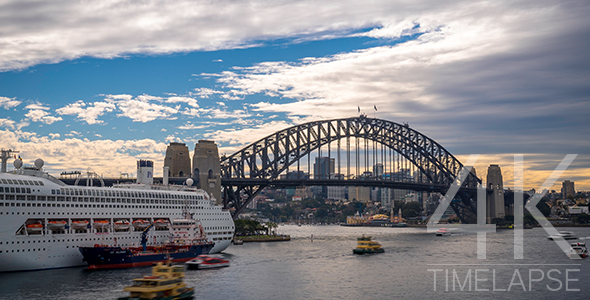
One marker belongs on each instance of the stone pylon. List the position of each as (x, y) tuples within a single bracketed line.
[(495, 200), (206, 168), (178, 160)]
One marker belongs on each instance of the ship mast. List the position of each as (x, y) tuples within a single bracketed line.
[(5, 155)]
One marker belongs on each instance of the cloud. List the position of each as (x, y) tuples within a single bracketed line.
[(190, 101), (206, 92), (87, 112), (38, 115), (6, 123), (8, 103), (141, 109), (106, 157), (50, 32)]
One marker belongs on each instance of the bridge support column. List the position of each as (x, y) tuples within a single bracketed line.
[(495, 199), (206, 168)]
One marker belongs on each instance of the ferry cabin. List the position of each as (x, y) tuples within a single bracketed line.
[(43, 221)]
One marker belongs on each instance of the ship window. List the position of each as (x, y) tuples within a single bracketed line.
[(26, 182), (4, 181), (12, 190), (9, 181), (20, 182), (1, 189)]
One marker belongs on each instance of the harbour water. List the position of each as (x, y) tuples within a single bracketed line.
[(325, 268)]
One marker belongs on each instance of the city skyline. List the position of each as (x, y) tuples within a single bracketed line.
[(100, 85)]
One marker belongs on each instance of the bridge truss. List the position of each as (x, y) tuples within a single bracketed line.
[(399, 156)]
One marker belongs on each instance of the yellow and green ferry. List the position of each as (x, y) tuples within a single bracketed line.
[(165, 283), (366, 246)]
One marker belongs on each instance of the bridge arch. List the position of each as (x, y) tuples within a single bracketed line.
[(269, 157)]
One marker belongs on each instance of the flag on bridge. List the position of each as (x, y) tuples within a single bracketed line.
[(375, 107), (359, 109)]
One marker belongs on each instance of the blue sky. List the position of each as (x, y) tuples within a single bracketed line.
[(99, 85)]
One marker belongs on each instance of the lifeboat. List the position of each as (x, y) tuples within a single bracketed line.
[(141, 224), (161, 223), (34, 227), (79, 224), (56, 224), (122, 225), (101, 224)]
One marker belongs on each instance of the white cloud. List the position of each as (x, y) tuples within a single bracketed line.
[(54, 135), (190, 101), (38, 115), (8, 103), (72, 133), (206, 92), (6, 123), (106, 157), (87, 112), (141, 110)]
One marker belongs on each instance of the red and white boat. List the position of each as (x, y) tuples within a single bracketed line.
[(207, 262), (443, 232), (79, 224), (161, 223), (56, 224), (101, 224), (35, 228), (122, 225), (141, 223)]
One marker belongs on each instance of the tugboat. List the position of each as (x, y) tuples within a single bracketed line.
[(164, 283), (366, 246), (207, 262), (187, 241), (578, 249)]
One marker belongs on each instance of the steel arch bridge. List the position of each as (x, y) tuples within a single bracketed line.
[(247, 172)]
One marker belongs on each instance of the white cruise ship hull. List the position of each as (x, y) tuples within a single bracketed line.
[(31, 199)]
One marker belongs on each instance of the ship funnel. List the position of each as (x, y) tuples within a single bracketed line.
[(145, 172)]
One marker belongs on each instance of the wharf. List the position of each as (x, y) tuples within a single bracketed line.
[(263, 238)]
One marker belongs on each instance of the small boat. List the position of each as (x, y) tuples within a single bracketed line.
[(80, 224), (366, 246), (566, 235), (56, 224), (161, 223), (578, 249), (165, 282), (141, 223), (443, 232), (101, 224), (207, 262), (122, 225), (34, 228)]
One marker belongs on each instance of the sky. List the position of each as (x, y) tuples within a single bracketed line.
[(100, 84)]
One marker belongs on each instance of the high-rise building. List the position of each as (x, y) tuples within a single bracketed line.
[(178, 161), (567, 189), (495, 200), (323, 167)]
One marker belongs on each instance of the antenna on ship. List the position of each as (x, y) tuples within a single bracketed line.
[(185, 213)]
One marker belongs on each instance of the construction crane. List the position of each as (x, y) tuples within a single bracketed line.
[(144, 236)]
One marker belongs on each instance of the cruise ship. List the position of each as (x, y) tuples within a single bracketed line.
[(43, 221)]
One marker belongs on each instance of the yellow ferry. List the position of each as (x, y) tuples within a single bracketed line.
[(365, 245), (164, 283)]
